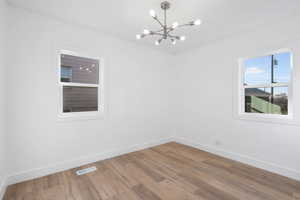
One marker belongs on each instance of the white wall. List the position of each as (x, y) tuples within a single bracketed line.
[(151, 95), (209, 85), (138, 91), (3, 161)]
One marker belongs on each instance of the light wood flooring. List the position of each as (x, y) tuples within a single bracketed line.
[(171, 171)]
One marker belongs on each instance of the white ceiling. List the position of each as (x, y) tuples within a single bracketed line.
[(126, 18)]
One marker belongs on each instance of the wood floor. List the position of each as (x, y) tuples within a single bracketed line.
[(171, 171)]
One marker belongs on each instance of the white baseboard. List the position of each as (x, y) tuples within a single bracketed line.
[(3, 186), (44, 171), (284, 171), (58, 167)]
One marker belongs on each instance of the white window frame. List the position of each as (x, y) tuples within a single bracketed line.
[(241, 90), (88, 114)]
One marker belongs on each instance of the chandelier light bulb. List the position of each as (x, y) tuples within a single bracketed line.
[(182, 38), (158, 42), (173, 41), (146, 32), (175, 25), (152, 13), (138, 37), (197, 22)]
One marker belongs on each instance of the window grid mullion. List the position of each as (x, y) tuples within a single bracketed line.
[(79, 85), (267, 85)]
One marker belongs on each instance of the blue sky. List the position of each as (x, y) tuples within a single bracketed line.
[(258, 70)]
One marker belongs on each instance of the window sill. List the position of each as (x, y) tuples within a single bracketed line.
[(80, 117), (268, 118)]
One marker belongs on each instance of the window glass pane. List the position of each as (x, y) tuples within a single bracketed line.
[(79, 70), (281, 99), (258, 70), (282, 67), (267, 100), (80, 99)]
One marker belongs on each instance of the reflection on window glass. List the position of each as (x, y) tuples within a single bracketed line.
[(281, 99), (66, 74), (79, 69), (282, 67), (267, 100), (80, 99)]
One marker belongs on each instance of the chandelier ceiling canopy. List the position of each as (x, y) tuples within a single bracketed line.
[(166, 31)]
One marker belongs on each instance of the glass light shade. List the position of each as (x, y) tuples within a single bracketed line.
[(146, 32), (182, 38), (138, 37), (152, 13), (197, 22), (175, 25), (158, 42)]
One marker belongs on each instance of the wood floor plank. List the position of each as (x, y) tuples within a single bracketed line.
[(150, 172), (171, 190), (167, 172), (120, 171), (107, 184), (247, 182), (144, 193)]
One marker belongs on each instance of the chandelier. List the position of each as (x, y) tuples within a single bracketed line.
[(166, 32)]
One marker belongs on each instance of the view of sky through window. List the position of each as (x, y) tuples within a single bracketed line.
[(258, 70)]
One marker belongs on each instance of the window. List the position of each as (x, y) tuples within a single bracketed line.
[(266, 84), (79, 82)]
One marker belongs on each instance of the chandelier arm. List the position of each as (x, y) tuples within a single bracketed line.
[(158, 31), (174, 37), (160, 23), (160, 34), (184, 25), (169, 30)]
